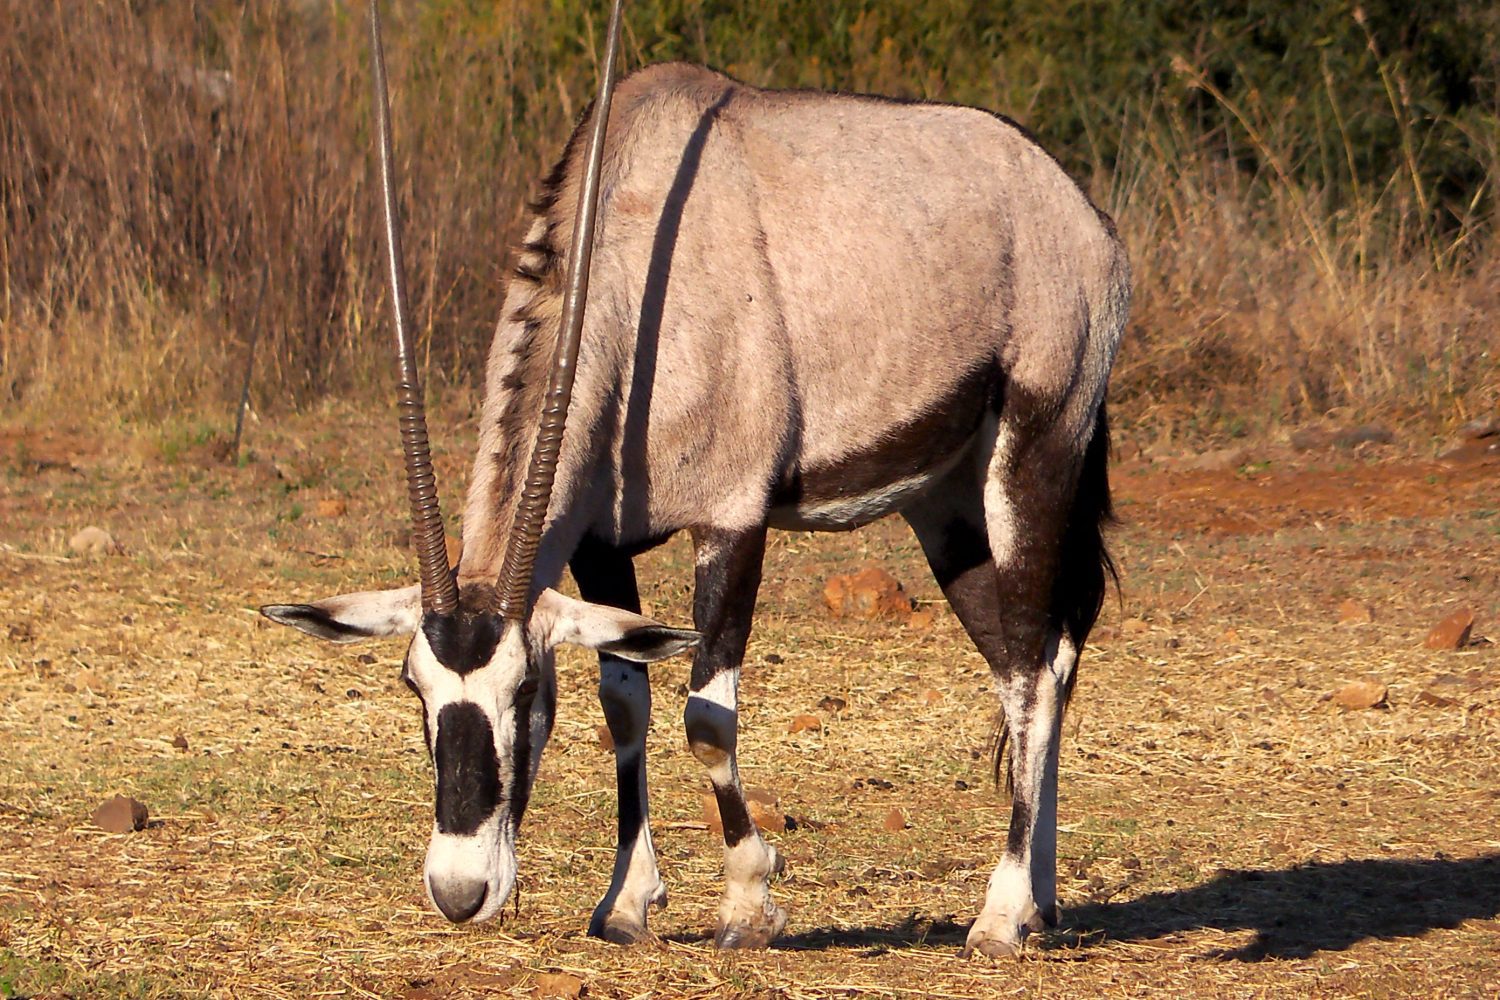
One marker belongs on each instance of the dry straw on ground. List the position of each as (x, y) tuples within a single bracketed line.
[(1225, 829)]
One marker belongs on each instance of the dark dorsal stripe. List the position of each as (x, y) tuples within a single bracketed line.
[(468, 772)]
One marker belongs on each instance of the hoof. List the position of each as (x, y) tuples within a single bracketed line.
[(1005, 937), (619, 929), (752, 934), (990, 947)]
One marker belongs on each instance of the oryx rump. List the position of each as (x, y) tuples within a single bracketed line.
[(805, 310)]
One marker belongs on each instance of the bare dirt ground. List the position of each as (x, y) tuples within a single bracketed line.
[(1226, 829)]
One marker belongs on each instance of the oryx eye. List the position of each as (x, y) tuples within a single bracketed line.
[(527, 690)]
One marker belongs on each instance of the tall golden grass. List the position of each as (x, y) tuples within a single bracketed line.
[(174, 176)]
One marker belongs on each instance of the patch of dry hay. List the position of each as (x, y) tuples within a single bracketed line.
[(1225, 831)]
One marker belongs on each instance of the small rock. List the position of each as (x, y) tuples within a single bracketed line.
[(931, 697), (1452, 632), (1352, 612), (805, 724), (1353, 437), (762, 805), (769, 818), (1475, 430), (1230, 637), (1311, 438), (1221, 460), (1475, 451), (1135, 626), (870, 593), (92, 541), (762, 795), (331, 508), (606, 740), (829, 703), (180, 742), (121, 814), (895, 821), (1358, 695), (774, 658), (558, 984), (921, 619)]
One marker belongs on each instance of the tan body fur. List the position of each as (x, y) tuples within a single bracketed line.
[(806, 312)]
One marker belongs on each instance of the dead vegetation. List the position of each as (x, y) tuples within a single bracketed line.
[(1228, 827), (1289, 261)]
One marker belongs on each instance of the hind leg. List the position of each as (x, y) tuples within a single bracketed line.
[(994, 539)]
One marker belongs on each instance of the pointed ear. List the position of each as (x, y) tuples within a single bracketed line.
[(352, 617), (609, 630)]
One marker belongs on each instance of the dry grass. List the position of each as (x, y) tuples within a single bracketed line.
[(1226, 832), (219, 184)]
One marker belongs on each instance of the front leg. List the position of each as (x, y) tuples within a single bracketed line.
[(728, 576), (605, 575)]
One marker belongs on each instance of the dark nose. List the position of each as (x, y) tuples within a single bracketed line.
[(459, 899)]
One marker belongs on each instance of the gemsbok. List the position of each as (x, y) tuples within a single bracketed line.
[(805, 311)]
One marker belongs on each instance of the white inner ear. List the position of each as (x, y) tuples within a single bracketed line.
[(378, 612), (559, 619)]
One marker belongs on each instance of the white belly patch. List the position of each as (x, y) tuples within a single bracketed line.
[(843, 513)]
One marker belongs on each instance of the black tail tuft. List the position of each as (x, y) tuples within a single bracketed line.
[(1087, 568)]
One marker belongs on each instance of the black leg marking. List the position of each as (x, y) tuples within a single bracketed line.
[(606, 575), (729, 567), (727, 581)]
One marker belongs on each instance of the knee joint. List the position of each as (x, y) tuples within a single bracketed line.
[(710, 731)]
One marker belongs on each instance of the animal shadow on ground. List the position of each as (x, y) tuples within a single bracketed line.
[(1294, 912)]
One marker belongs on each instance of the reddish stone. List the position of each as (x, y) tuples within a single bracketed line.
[(870, 593), (1452, 632), (121, 814)]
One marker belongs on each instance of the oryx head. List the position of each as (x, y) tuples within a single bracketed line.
[(481, 656)]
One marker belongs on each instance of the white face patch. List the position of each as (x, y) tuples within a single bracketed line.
[(486, 855)]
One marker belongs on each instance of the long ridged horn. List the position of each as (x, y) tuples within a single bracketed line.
[(439, 590), (514, 588)]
